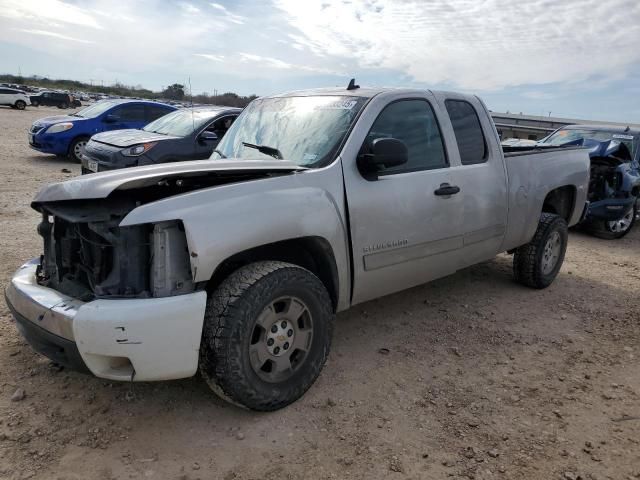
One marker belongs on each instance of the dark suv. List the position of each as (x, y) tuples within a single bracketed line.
[(53, 99)]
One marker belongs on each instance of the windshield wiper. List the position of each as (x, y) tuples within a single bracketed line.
[(219, 153), (272, 152)]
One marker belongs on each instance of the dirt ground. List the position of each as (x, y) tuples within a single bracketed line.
[(472, 376)]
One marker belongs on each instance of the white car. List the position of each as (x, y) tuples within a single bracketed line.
[(14, 98)]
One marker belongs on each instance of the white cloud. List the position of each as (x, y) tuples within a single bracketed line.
[(189, 8), (232, 17), (209, 56), (472, 44), (52, 34), (270, 62), (46, 11)]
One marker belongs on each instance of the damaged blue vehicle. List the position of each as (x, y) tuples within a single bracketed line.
[(614, 186)]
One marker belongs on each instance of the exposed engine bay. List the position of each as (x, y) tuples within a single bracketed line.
[(87, 255), (613, 175)]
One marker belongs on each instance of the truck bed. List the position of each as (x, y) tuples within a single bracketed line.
[(531, 173)]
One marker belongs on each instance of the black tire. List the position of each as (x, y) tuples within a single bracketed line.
[(74, 150), (229, 333), (35, 103), (614, 230), (64, 105), (533, 265), (20, 104)]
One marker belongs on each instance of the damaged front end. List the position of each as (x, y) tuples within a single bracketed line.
[(87, 255), (614, 183)]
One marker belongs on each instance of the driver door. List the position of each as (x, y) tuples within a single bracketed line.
[(404, 231)]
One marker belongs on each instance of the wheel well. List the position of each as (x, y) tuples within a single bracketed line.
[(313, 253), (560, 201)]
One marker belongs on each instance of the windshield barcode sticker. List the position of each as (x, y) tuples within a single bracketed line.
[(623, 137), (338, 105)]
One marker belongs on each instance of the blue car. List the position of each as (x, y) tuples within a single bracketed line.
[(66, 135)]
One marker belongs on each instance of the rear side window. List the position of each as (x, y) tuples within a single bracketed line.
[(469, 136), (414, 123), (131, 113), (155, 111)]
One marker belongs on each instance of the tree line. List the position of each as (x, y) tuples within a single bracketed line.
[(172, 92)]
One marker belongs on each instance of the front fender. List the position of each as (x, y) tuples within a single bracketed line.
[(225, 220)]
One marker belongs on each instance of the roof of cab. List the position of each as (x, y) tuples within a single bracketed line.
[(366, 92)]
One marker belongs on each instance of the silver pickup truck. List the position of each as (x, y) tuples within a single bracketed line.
[(313, 202)]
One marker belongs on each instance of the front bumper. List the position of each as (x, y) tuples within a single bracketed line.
[(120, 339), (609, 209), (104, 158), (49, 142)]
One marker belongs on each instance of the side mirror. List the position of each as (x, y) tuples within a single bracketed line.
[(111, 118), (207, 136), (385, 153)]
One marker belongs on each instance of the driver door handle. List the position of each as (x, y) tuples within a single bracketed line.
[(446, 189)]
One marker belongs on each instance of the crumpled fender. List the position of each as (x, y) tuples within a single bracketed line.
[(224, 220)]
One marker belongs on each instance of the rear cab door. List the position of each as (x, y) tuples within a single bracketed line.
[(402, 232), (127, 115), (479, 169)]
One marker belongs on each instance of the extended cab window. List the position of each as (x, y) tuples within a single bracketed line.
[(414, 123), (466, 125)]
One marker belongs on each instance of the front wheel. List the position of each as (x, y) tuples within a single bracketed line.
[(266, 336), (537, 263), (77, 148), (20, 104), (614, 229)]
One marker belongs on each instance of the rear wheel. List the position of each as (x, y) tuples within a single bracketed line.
[(77, 148), (20, 104), (537, 263), (267, 335), (64, 105), (35, 103)]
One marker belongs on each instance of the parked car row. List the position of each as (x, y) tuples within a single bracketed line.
[(54, 99), (187, 134), (113, 134), (19, 99), (14, 98)]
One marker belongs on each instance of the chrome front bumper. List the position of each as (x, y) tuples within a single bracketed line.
[(42, 306), (120, 339)]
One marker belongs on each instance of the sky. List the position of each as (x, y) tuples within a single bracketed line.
[(567, 58)]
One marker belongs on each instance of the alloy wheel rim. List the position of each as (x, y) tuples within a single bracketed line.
[(78, 149), (281, 339), (622, 224), (551, 253)]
